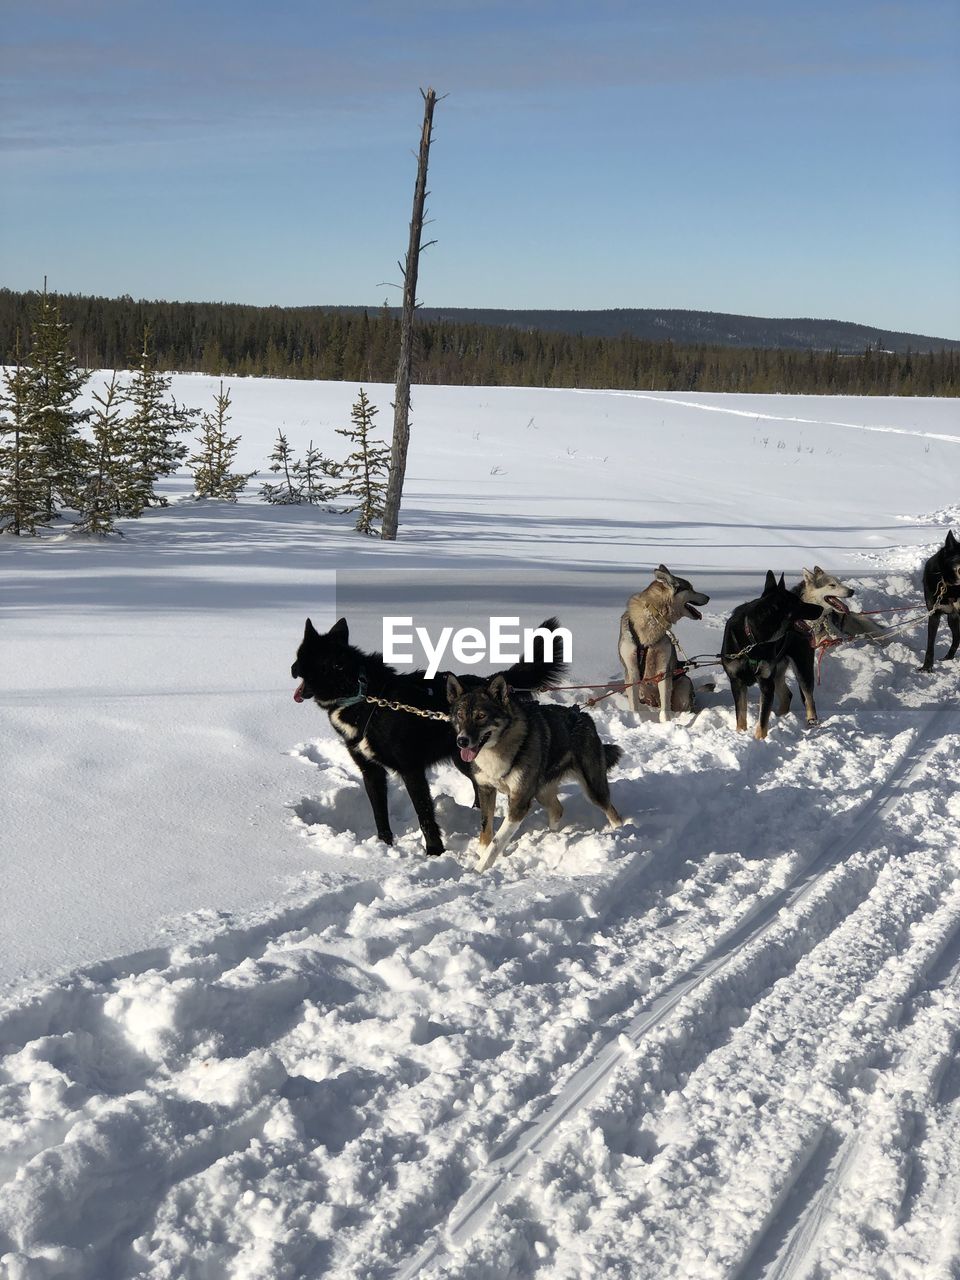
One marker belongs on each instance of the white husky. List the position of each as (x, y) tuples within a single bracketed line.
[(838, 621)]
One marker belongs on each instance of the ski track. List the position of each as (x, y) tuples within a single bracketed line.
[(690, 1048), (590, 1079), (756, 416), (884, 1114)]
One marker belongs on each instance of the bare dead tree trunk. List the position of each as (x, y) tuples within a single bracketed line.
[(401, 405)]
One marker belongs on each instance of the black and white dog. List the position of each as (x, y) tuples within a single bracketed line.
[(340, 677), (941, 591)]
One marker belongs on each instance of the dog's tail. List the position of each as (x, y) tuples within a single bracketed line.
[(546, 669), (611, 755)]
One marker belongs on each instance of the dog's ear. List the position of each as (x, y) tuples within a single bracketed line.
[(499, 689), (454, 689), (808, 574), (781, 585), (340, 630), (663, 574), (817, 571), (950, 542), (769, 583), (309, 631)]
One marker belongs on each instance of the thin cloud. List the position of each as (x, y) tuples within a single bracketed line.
[(105, 85)]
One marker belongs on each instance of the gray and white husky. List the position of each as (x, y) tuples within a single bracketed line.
[(526, 750), (837, 621), (648, 654)]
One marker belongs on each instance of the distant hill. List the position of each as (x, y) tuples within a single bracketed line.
[(694, 328)]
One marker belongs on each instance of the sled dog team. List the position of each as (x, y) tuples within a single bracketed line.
[(494, 731)]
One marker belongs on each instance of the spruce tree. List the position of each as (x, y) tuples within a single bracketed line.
[(23, 489), (155, 426), (290, 491), (211, 463), (314, 473), (366, 469), (112, 484), (53, 383)]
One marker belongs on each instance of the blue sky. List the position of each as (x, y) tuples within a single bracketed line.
[(741, 156)]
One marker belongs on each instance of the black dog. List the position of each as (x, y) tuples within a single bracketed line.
[(941, 591), (759, 640), (339, 677)]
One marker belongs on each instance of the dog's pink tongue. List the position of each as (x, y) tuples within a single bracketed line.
[(838, 604), (467, 754), (298, 693)]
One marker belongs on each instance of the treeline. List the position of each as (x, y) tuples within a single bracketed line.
[(312, 342)]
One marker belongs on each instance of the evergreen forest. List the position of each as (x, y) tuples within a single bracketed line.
[(361, 346)]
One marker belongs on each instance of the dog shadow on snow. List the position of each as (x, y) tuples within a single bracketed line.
[(756, 801), (346, 810), (689, 815), (676, 816), (773, 799), (343, 806)]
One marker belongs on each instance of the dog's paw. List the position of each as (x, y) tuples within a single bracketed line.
[(486, 860)]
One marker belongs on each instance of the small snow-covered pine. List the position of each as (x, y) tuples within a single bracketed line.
[(53, 382), (216, 452), (156, 425), (23, 507), (290, 490), (366, 469), (112, 485), (314, 472)]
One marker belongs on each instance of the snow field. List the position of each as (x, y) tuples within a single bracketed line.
[(335, 1087), (720, 1042)]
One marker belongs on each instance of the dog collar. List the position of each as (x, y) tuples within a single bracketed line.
[(777, 635), (359, 696)]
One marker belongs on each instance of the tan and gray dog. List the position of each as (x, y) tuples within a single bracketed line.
[(647, 650), (512, 744)]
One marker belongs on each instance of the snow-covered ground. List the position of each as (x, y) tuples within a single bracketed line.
[(240, 1038)]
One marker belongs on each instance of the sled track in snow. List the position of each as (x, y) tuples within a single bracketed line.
[(825, 1175), (516, 1155), (756, 416)]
